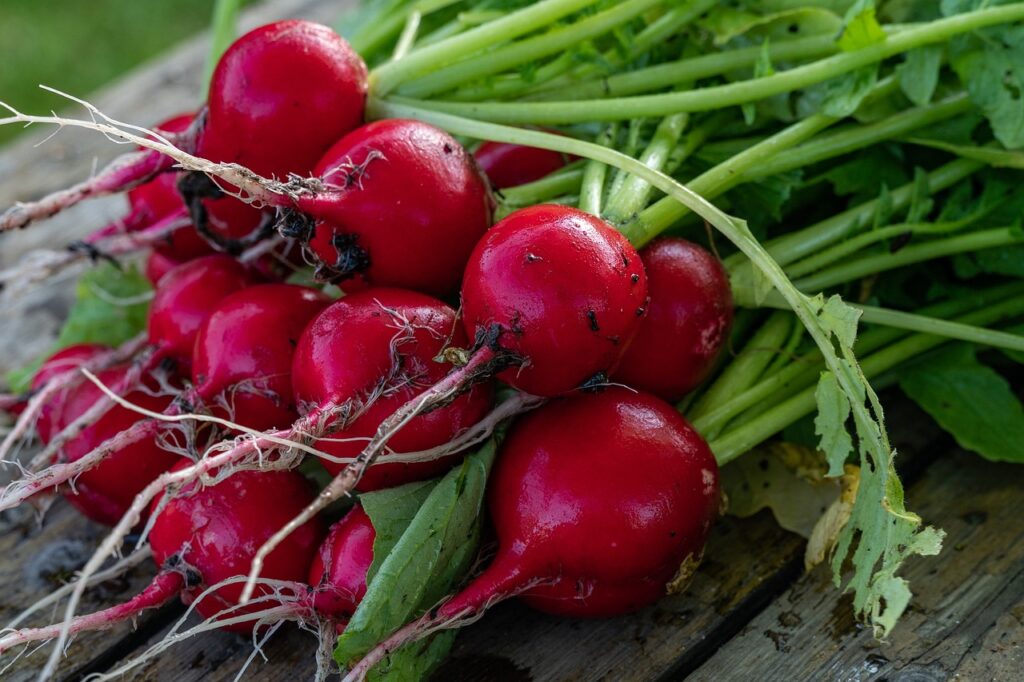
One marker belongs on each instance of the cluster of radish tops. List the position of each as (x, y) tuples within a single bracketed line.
[(372, 306)]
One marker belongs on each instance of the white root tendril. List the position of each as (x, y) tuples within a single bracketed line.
[(39, 266), (126, 564), (252, 188), (67, 379), (286, 604)]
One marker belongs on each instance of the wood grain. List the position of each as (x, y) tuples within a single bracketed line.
[(967, 617)]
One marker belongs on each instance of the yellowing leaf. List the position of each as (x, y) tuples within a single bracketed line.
[(862, 27)]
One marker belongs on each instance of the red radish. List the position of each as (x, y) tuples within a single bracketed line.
[(215, 530), (186, 297), (688, 320), (49, 389), (158, 265), (510, 165), (104, 493), (281, 95), (338, 574), (404, 207), (552, 292), (563, 289), (243, 353), (601, 504), (70, 358), (396, 336), (206, 536)]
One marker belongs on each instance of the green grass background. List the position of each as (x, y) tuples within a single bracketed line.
[(78, 45)]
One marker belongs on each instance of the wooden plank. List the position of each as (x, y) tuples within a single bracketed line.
[(965, 621), (747, 563), (36, 560)]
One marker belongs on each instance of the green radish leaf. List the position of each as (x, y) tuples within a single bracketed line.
[(110, 308), (970, 400), (745, 25), (919, 74), (861, 27), (431, 557), (830, 423), (990, 63), (842, 319), (844, 94), (391, 511), (864, 175)]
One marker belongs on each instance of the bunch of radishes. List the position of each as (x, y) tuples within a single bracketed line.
[(601, 499)]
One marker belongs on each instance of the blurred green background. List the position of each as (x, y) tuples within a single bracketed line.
[(78, 45)]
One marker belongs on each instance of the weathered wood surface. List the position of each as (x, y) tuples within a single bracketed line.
[(36, 560), (966, 620)]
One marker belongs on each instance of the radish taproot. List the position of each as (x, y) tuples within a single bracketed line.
[(688, 320), (601, 505), (403, 206), (204, 537), (511, 165)]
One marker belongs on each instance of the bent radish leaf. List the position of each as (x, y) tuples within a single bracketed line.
[(434, 553), (391, 511)]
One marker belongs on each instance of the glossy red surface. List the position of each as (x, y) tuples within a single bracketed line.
[(346, 355), (105, 492), (158, 265), (600, 496), (510, 165), (338, 575), (280, 96), (51, 414), (409, 196), (218, 529), (187, 295), (567, 290), (243, 353), (688, 320)]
